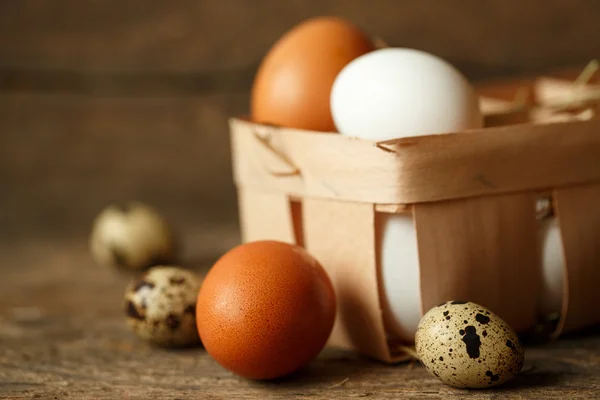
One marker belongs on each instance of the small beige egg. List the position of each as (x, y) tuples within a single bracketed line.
[(467, 346), (161, 306), (132, 237)]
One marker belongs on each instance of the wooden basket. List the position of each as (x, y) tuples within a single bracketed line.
[(325, 192)]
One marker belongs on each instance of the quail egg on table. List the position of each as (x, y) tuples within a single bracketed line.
[(466, 345), (161, 306), (133, 237)]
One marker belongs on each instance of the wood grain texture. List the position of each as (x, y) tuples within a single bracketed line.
[(105, 101), (63, 336), (63, 158), (579, 221), (266, 216), (477, 162), (481, 249), (88, 90), (197, 37), (341, 235)]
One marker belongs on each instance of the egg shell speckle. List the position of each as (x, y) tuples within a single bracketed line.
[(161, 306), (466, 345)]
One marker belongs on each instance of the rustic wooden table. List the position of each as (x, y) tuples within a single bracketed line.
[(62, 336), (107, 101)]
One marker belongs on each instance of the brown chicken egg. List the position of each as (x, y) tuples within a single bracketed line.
[(265, 309), (293, 83)]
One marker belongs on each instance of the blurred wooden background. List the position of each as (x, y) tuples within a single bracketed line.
[(104, 100)]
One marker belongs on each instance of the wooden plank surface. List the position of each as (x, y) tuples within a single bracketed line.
[(64, 157), (200, 37), (63, 336), (93, 90), (105, 101)]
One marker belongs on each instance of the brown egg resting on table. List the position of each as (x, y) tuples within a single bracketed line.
[(265, 309), (293, 83)]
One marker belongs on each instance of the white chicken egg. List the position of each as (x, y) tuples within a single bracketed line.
[(399, 92), (392, 93), (400, 274), (551, 293)]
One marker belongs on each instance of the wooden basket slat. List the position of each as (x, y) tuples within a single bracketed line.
[(265, 215), (472, 195), (578, 211), (341, 235), (483, 250), (413, 170)]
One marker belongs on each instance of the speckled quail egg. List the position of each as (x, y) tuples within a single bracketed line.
[(467, 346), (161, 306), (132, 237)]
